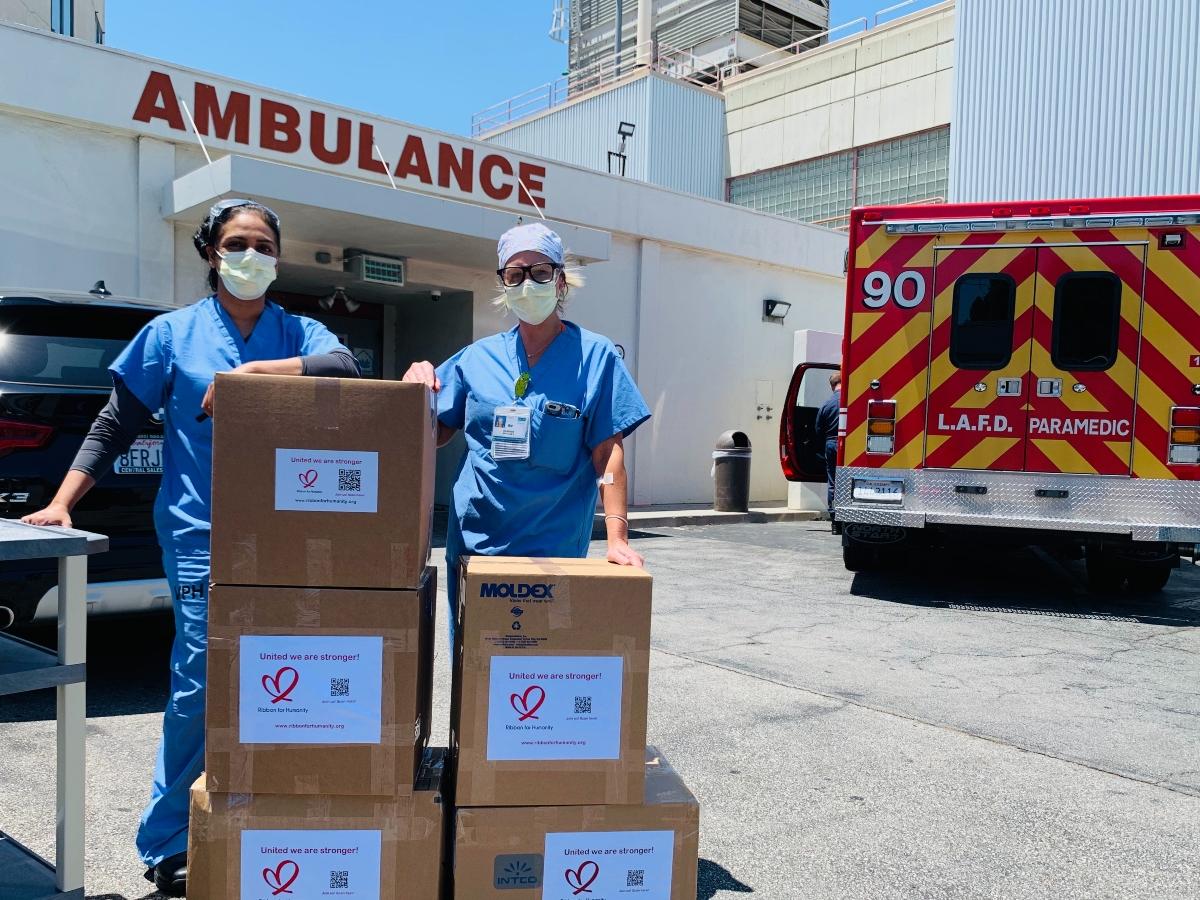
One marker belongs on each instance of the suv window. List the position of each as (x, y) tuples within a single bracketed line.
[(62, 344), (1087, 321), (981, 330)]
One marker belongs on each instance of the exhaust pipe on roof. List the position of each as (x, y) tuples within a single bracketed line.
[(645, 32)]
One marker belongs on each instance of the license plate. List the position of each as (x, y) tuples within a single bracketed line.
[(885, 490), (144, 457)]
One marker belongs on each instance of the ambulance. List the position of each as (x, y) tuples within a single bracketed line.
[(1024, 373)]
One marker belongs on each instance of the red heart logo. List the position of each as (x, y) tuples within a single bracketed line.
[(275, 877), (520, 702), (577, 880), (308, 479), (273, 685)]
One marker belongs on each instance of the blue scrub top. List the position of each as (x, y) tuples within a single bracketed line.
[(170, 364), (541, 506)]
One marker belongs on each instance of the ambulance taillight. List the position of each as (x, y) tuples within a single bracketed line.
[(881, 426), (1185, 435)]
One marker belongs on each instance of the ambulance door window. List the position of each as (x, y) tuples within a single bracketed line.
[(1087, 321), (981, 332)]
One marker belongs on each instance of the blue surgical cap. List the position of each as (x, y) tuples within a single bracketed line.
[(534, 236)]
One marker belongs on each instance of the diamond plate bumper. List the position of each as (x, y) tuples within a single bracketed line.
[(1145, 509)]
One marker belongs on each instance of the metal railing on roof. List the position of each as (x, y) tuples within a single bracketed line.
[(774, 58), (653, 56), (657, 57)]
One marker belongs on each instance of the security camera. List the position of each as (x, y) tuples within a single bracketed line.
[(435, 296)]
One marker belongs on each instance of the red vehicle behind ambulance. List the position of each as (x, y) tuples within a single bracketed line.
[(1026, 373)]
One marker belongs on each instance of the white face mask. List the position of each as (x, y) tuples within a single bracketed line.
[(247, 274), (531, 302)]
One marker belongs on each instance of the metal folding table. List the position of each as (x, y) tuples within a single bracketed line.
[(28, 667)]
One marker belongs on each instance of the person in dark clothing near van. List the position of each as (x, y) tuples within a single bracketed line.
[(828, 418)]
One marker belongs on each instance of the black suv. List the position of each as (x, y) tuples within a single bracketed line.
[(55, 349)]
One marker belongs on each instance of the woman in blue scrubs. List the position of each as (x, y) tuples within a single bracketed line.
[(545, 407), (170, 366)]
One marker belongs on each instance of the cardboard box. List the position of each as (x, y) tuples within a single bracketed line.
[(318, 690), (262, 846), (321, 482), (551, 674), (649, 850)]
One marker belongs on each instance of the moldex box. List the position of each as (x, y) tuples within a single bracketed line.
[(321, 482), (267, 846), (647, 850), (551, 666), (318, 690)]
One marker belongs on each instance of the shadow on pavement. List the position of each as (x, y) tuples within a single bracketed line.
[(127, 672), (151, 896), (714, 877), (1026, 582)]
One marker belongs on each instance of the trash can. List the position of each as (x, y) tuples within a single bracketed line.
[(731, 472)]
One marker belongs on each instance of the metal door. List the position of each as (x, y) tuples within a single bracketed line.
[(981, 330), (1033, 358), (1083, 372)]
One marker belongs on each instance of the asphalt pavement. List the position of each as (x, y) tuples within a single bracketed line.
[(978, 726)]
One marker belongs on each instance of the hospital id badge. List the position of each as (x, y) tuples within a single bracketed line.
[(510, 432)]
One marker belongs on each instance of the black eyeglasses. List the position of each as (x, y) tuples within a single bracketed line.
[(541, 273)]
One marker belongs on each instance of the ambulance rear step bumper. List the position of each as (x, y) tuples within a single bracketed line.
[(1142, 508)]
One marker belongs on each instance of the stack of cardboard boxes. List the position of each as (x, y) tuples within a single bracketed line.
[(318, 781), (557, 795)]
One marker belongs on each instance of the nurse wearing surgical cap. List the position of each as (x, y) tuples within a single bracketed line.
[(545, 408)]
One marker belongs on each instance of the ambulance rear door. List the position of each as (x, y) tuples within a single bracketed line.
[(1033, 357), (982, 324), (1083, 371)]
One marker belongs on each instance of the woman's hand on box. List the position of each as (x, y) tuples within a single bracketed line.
[(423, 373), (621, 554), (290, 366)]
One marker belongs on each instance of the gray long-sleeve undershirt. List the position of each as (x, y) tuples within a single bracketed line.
[(124, 416)]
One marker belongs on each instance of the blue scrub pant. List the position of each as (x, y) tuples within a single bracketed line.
[(164, 827), (830, 472)]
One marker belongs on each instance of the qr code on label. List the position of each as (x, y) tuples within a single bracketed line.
[(339, 687), (583, 705), (635, 878), (339, 881), (349, 479)]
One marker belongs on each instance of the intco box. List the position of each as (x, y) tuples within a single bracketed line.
[(551, 675), (648, 851), (267, 846), (321, 482), (318, 690)]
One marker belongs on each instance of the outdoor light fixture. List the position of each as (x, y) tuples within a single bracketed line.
[(100, 290), (624, 132), (776, 310), (339, 293)]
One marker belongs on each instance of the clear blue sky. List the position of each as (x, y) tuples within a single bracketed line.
[(431, 64)]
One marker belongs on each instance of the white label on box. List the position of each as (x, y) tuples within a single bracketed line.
[(310, 690), (554, 707), (608, 864), (327, 480), (304, 864)]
